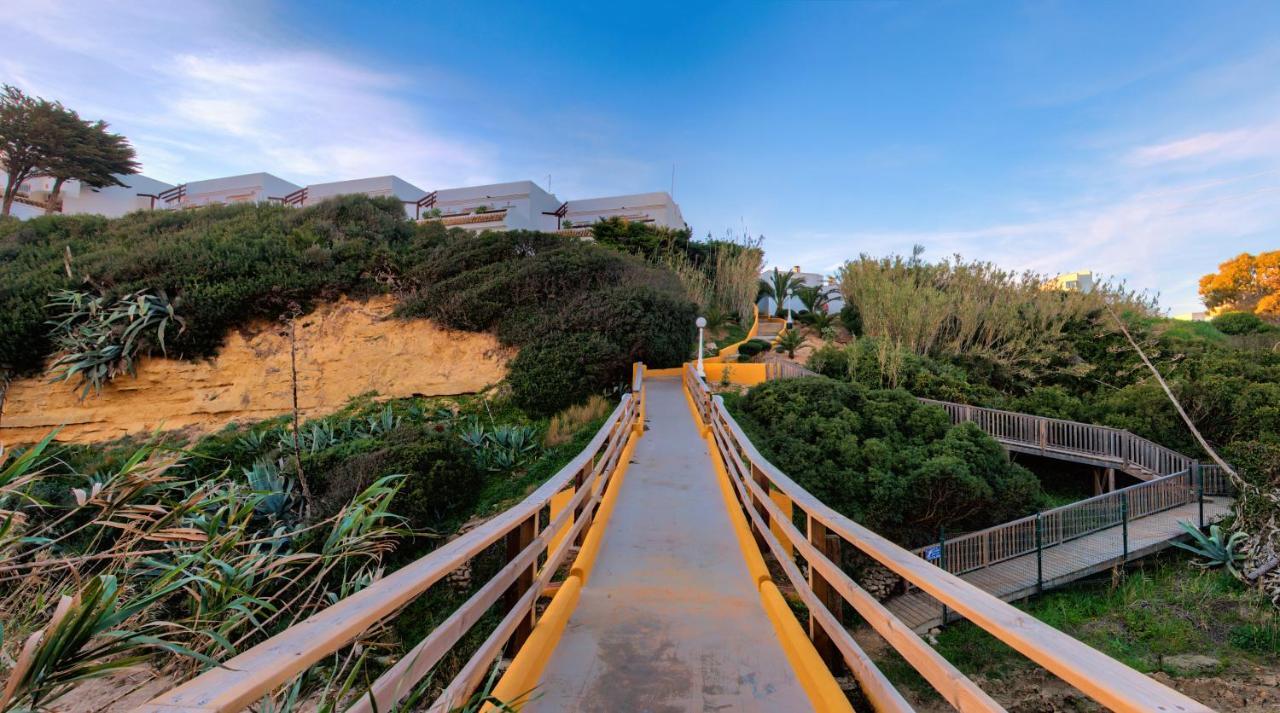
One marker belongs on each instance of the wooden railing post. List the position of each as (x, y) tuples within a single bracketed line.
[(580, 511), (942, 561), (828, 545), (1124, 525), (761, 480), (1199, 474), (1039, 554), (517, 540)]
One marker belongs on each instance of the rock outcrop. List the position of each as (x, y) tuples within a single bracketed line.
[(344, 349)]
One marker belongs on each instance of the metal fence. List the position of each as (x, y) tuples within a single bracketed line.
[(1050, 528)]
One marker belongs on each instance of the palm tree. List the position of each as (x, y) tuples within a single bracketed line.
[(815, 298), (790, 342), (778, 288)]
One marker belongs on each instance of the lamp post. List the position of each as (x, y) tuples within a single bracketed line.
[(702, 322)]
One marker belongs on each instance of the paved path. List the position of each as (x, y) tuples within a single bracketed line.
[(669, 619), (1015, 578)]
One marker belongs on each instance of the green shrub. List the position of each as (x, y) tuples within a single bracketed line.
[(556, 372), (1240, 323), (885, 459), (222, 266), (752, 347), (442, 483), (851, 318), (830, 360)]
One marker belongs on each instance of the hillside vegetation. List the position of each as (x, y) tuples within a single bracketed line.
[(973, 333), (94, 293)]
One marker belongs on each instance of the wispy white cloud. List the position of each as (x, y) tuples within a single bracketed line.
[(1159, 239), (202, 94), (1260, 142)]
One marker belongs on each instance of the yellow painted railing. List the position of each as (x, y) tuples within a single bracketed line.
[(536, 546), (761, 487)]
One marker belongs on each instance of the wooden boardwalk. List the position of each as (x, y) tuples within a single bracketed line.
[(1016, 578), (669, 618)]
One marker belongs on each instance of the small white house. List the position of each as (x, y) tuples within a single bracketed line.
[(656, 208), (378, 186), (248, 188), (766, 304), (519, 205), (137, 193)]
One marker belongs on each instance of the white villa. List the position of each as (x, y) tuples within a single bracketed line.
[(518, 205), (113, 201), (766, 304)]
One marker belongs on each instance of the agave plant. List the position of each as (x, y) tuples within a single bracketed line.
[(99, 338), (277, 491), (1217, 548), (385, 422)]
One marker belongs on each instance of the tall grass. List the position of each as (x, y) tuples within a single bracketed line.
[(972, 309), (723, 281)]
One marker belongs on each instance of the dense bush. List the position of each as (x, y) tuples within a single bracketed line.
[(555, 372), (441, 483), (644, 239), (1240, 323), (752, 347), (885, 459), (851, 318), (569, 304)]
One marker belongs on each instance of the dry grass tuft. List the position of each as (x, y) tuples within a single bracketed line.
[(566, 424)]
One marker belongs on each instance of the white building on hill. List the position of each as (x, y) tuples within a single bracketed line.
[(517, 205), (656, 208), (378, 186), (113, 201), (246, 188)]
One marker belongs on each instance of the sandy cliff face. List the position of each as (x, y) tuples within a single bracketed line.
[(344, 349)]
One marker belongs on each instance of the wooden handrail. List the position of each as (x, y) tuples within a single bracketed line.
[(247, 677), (1102, 678), (1123, 448)]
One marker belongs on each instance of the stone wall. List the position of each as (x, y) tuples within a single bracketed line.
[(345, 349)]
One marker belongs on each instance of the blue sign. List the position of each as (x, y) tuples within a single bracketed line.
[(933, 553)]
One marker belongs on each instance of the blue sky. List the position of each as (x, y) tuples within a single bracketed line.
[(1140, 140)]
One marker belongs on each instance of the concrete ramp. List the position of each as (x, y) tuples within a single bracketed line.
[(669, 619)]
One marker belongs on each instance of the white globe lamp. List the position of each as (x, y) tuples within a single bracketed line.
[(702, 323)]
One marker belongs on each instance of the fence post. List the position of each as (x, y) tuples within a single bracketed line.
[(1124, 525), (1195, 468), (942, 561), (1039, 554), (821, 538), (517, 541)]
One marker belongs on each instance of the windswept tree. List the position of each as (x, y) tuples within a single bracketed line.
[(27, 125), (43, 138), (93, 155)]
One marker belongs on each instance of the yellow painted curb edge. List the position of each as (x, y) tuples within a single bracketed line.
[(518, 683), (817, 681)]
